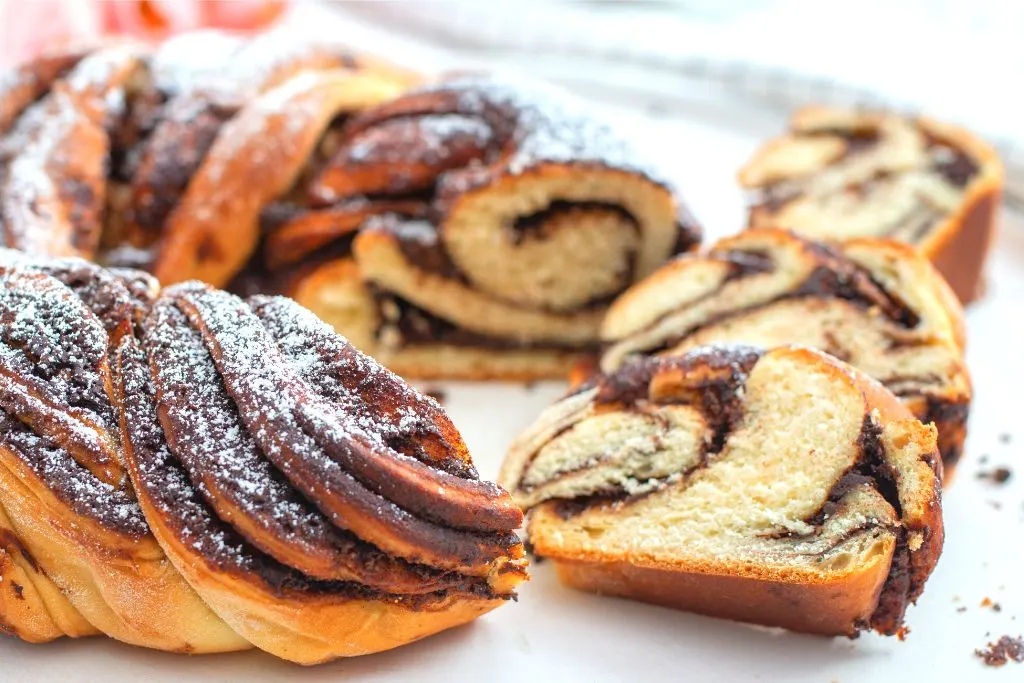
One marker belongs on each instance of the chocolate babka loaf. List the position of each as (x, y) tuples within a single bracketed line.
[(480, 229), (841, 174), (193, 472), (470, 228), (163, 159), (778, 487), (875, 304)]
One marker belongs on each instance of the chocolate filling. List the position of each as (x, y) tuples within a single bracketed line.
[(710, 380), (949, 161), (838, 279), (951, 421), (414, 326), (421, 244), (534, 225), (870, 469), (12, 544)]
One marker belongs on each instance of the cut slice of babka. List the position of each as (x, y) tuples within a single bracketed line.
[(840, 174), (477, 227), (782, 488), (875, 304)]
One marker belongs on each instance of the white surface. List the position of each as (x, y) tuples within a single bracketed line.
[(554, 633)]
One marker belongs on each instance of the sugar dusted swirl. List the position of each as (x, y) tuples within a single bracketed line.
[(309, 502), (125, 155)]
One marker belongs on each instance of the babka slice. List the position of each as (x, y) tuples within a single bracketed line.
[(875, 304), (841, 174), (477, 228), (782, 488)]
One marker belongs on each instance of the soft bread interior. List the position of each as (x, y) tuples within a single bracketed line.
[(382, 262), (580, 256), (842, 174), (336, 292), (752, 504), (875, 304), (617, 451), (687, 292)]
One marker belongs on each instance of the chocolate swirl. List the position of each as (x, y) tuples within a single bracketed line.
[(877, 305), (845, 174), (783, 468), (521, 216), (119, 154)]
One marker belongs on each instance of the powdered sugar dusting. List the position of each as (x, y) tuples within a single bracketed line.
[(58, 348), (53, 351), (391, 411), (538, 124), (225, 464)]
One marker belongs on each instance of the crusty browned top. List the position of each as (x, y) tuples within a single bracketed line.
[(56, 323), (323, 464)]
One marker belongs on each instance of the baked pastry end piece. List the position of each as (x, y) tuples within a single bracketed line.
[(841, 173), (779, 487)]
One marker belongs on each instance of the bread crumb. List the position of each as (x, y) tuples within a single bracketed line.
[(999, 475), (1004, 650)]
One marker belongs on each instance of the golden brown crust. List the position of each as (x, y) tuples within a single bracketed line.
[(830, 608), (32, 607)]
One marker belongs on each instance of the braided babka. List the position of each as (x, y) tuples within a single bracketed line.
[(189, 471), (163, 159), (778, 487), (841, 174), (875, 304), (489, 222), (469, 228)]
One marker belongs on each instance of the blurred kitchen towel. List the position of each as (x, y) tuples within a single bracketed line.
[(959, 60)]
